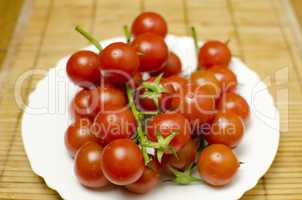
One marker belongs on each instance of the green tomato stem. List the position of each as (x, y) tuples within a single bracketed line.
[(89, 37), (194, 36), (139, 129), (127, 34)]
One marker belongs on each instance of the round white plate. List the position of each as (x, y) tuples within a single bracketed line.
[(46, 118)]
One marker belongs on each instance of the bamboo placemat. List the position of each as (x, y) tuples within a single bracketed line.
[(265, 35)]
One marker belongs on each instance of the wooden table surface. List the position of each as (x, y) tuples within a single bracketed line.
[(265, 33)]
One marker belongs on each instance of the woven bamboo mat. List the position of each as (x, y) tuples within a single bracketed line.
[(265, 35)]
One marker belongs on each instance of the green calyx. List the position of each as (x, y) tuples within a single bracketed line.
[(154, 90), (185, 177)]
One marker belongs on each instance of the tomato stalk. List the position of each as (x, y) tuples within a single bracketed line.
[(138, 117), (194, 36), (154, 90), (184, 178), (89, 37), (127, 33)]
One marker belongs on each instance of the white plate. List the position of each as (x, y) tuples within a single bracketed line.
[(46, 118)]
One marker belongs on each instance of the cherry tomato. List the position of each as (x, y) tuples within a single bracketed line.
[(146, 182), (83, 68), (186, 155), (232, 102), (78, 134), (205, 78), (114, 125), (227, 129), (196, 103), (122, 162), (214, 53), (111, 98), (226, 78), (177, 82), (153, 52), (165, 98), (88, 166), (149, 22), (166, 124), (217, 165), (171, 67), (85, 104), (119, 61)]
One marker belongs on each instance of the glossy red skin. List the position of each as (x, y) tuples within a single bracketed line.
[(114, 125), (118, 62), (214, 53), (186, 155), (231, 102), (88, 166), (195, 103), (85, 104), (147, 104), (172, 67), (78, 134), (226, 78), (227, 129), (111, 98), (154, 52), (83, 68), (167, 123), (217, 165), (206, 78), (177, 82), (122, 162), (149, 22), (146, 182)]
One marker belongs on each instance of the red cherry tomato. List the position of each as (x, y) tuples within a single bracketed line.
[(153, 52), (146, 182), (226, 78), (78, 134), (186, 155), (177, 82), (83, 68), (111, 98), (231, 102), (217, 165), (166, 124), (196, 103), (227, 129), (85, 104), (205, 78), (122, 162), (214, 53), (171, 67), (147, 104), (149, 22), (88, 167), (119, 61), (114, 125)]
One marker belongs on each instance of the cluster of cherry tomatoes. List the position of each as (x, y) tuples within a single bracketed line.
[(136, 117)]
